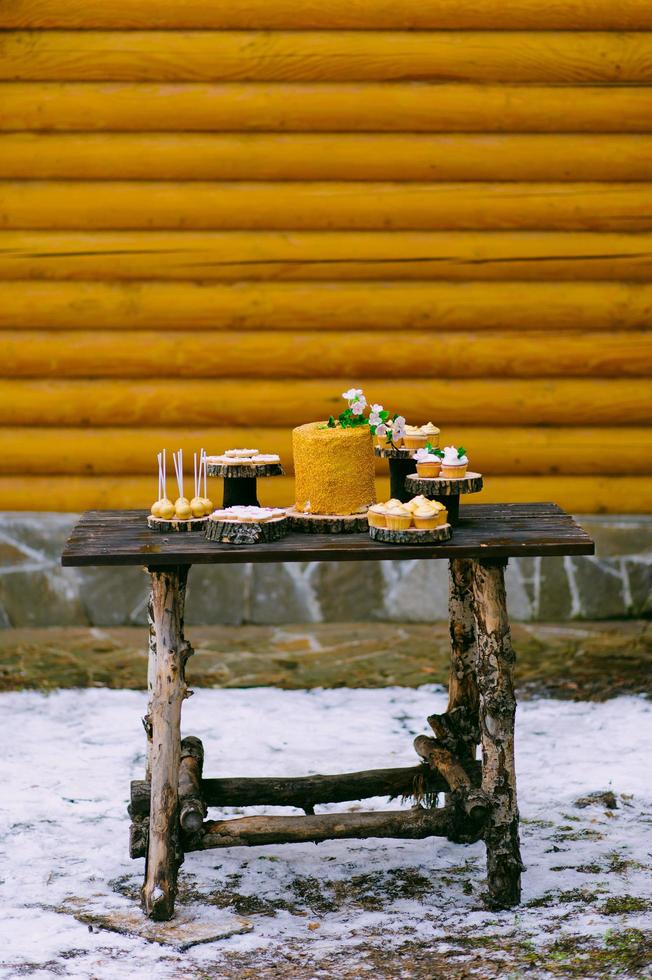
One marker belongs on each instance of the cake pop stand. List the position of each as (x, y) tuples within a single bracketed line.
[(401, 465), (240, 481), (175, 525), (445, 490)]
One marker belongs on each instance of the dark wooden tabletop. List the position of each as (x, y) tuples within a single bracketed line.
[(121, 537)]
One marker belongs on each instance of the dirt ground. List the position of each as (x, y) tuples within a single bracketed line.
[(580, 661)]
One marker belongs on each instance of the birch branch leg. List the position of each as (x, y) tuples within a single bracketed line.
[(458, 728), (462, 684), (151, 674), (497, 712), (168, 691)]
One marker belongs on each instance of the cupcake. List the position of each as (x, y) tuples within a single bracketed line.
[(414, 438), (426, 517), (432, 432), (376, 516), (398, 518), (428, 463), (454, 463)]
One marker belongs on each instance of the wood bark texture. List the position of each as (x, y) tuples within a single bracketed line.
[(416, 782), (169, 690), (192, 808), (246, 532), (497, 713), (470, 805), (328, 523), (438, 486), (175, 526), (416, 823), (463, 725), (412, 536), (242, 471)]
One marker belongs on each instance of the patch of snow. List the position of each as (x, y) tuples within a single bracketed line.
[(63, 828)]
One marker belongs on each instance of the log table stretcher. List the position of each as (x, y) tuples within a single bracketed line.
[(168, 808)]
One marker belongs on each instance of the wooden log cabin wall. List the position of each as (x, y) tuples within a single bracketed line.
[(216, 216)]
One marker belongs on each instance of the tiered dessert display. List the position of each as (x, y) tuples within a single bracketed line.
[(398, 448), (183, 515), (247, 525), (334, 471), (443, 476), (334, 482), (240, 468)]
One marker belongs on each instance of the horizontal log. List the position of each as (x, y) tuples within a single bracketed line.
[(229, 256), (277, 354), (510, 56), (409, 107), (325, 206), (116, 402), (326, 156), (510, 451), (578, 494), (110, 402), (255, 831), (592, 306), (306, 791), (279, 14)]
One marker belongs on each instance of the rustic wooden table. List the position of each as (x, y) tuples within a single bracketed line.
[(168, 807)]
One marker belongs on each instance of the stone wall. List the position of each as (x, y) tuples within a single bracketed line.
[(36, 591)]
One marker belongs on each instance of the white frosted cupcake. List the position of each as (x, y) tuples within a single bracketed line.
[(428, 464), (454, 463), (432, 432), (414, 438)]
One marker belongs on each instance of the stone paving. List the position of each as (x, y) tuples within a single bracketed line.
[(578, 661), (36, 591)]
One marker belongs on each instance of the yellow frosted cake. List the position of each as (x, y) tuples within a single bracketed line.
[(333, 469)]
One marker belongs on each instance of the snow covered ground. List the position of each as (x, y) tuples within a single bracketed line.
[(341, 909)]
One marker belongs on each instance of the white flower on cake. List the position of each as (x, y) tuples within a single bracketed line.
[(352, 394), (375, 417), (452, 456), (358, 406)]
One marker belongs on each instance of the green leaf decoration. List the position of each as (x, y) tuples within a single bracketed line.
[(331, 422), (461, 452)]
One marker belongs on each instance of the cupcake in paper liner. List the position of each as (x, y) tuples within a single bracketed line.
[(428, 462), (455, 463)]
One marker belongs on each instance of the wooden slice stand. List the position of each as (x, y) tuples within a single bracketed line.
[(413, 535), (444, 489), (327, 523), (240, 487), (401, 465), (175, 526), (246, 532)]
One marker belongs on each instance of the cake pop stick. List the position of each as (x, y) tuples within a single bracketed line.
[(156, 506), (181, 504), (166, 507), (197, 504)]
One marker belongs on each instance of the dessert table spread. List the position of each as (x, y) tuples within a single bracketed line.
[(168, 808)]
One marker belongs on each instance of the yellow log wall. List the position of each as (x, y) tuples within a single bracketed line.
[(215, 217)]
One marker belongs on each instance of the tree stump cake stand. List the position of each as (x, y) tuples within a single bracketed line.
[(401, 465), (241, 481), (445, 491), (168, 807)]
